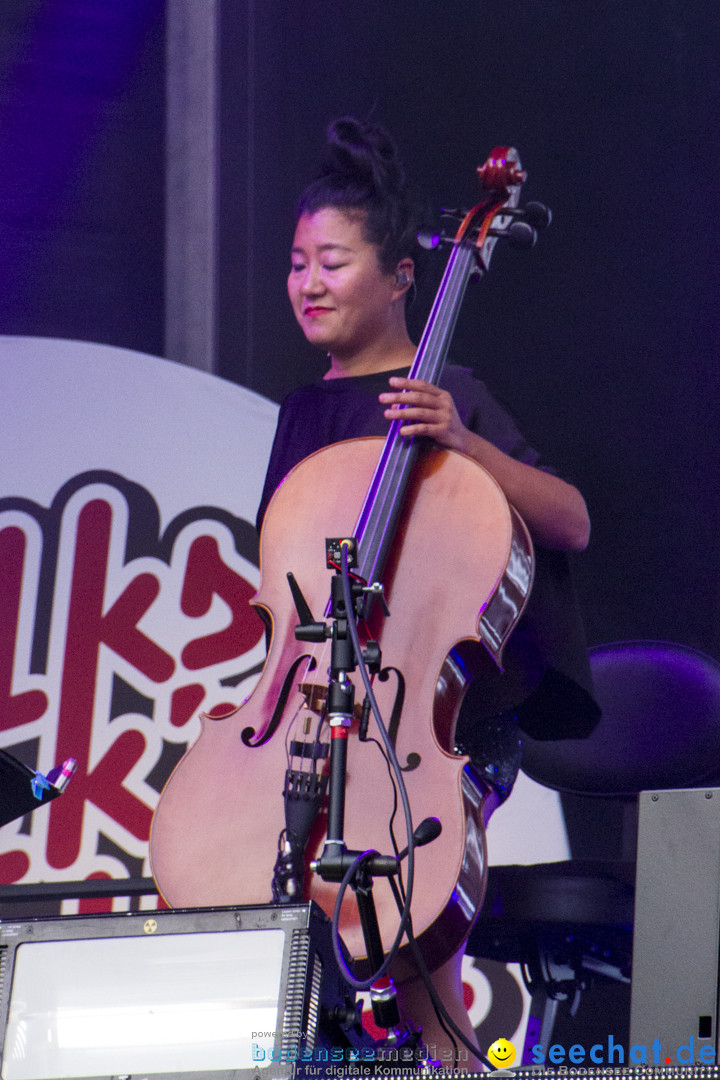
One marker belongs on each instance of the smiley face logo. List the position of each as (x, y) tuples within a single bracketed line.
[(501, 1053)]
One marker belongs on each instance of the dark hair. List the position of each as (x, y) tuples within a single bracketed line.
[(362, 171)]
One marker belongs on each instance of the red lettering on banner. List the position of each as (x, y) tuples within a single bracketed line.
[(90, 611), (87, 630), (14, 865), (185, 702), (29, 706), (207, 575)]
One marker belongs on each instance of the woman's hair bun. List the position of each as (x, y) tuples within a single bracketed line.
[(364, 150), (362, 173)]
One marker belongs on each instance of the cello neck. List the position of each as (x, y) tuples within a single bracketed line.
[(501, 176), (433, 348), (380, 512)]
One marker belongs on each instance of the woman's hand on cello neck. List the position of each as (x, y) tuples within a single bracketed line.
[(553, 510), (428, 410)]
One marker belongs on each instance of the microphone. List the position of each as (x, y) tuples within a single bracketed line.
[(428, 830)]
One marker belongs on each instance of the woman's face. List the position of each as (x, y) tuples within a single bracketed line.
[(341, 297)]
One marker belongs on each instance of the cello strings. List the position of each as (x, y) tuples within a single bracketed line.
[(318, 654), (381, 505)]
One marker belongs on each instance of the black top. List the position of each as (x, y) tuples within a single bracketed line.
[(546, 680), (330, 410)]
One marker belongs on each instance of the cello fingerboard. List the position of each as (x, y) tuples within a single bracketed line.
[(378, 520)]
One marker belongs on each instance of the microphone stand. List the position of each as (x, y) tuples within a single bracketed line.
[(336, 861)]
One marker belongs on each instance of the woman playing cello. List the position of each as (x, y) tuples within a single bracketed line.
[(353, 263)]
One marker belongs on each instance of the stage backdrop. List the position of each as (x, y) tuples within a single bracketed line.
[(128, 488)]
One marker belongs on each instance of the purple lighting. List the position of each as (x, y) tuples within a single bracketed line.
[(66, 76)]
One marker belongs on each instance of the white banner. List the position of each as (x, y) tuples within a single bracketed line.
[(128, 491)]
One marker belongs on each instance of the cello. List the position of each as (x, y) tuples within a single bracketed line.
[(221, 819)]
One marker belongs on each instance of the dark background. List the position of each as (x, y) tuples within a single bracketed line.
[(603, 339)]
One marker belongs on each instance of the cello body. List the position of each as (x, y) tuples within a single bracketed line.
[(453, 577)]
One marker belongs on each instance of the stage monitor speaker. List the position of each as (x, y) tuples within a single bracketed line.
[(674, 994), (206, 993)]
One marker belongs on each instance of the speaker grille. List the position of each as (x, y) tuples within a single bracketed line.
[(295, 996)]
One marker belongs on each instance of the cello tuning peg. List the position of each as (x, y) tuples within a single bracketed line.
[(429, 239), (518, 234), (521, 235), (535, 213), (538, 215)]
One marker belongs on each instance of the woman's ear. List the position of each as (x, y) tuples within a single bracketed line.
[(404, 275)]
